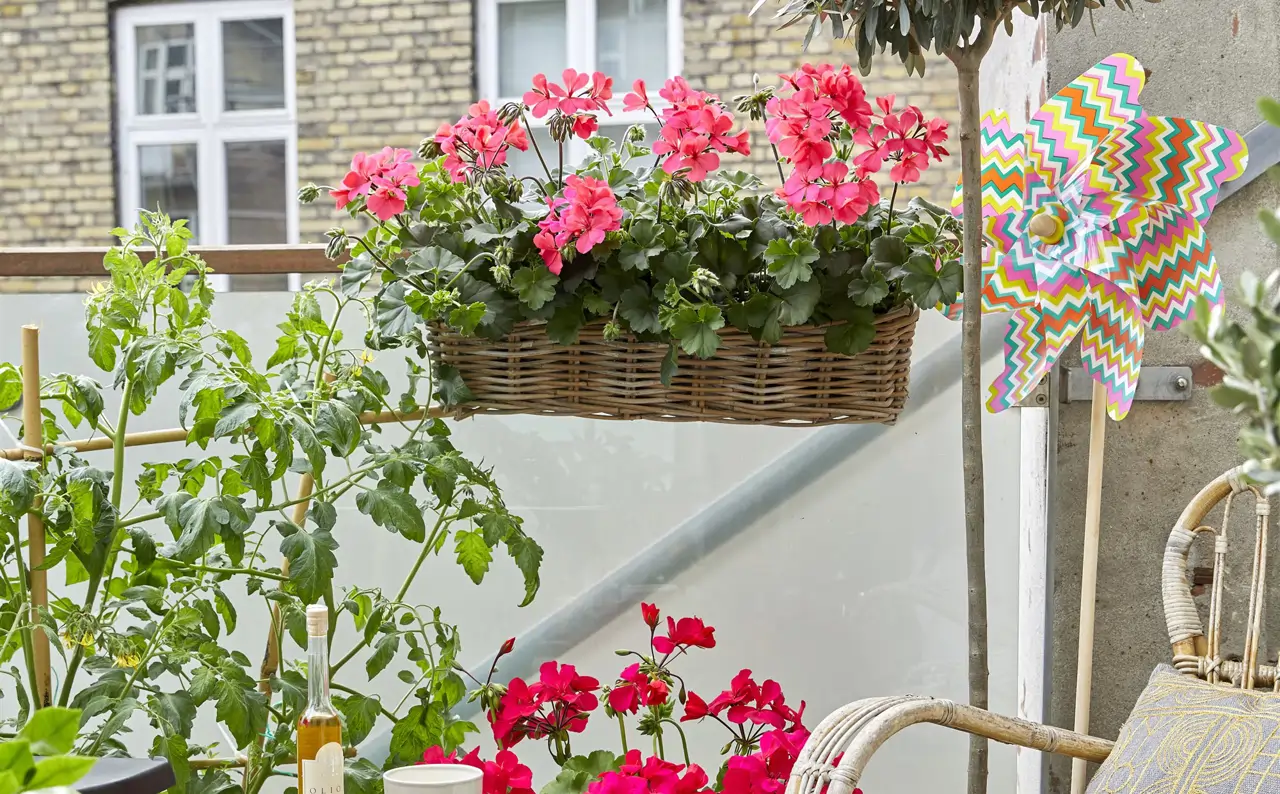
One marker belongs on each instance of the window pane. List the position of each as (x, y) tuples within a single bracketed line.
[(169, 182), (257, 201), (253, 64), (631, 41), (531, 39), (166, 69), (526, 163), (256, 193)]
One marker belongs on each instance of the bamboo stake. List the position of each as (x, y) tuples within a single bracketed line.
[(176, 434), (1089, 575), (32, 436)]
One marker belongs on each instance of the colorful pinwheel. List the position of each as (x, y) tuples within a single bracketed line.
[(1093, 224)]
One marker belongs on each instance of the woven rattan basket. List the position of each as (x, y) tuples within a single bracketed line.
[(795, 382)]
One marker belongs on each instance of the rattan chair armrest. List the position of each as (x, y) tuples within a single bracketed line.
[(855, 732)]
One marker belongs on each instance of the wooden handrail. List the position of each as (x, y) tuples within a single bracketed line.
[(235, 260)]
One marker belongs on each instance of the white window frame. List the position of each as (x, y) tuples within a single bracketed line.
[(580, 37), (210, 127)]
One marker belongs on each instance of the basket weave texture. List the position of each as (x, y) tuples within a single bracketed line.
[(795, 382)]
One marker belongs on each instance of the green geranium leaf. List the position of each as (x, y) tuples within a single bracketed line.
[(695, 327), (670, 365), (432, 260), (450, 389), (395, 318), (535, 285), (564, 325), (888, 251), (639, 308), (798, 302), (355, 274), (790, 260), (465, 319), (854, 335), (391, 507), (869, 288)]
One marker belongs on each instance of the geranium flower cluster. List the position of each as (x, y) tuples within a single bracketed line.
[(580, 94), (652, 775), (810, 123), (381, 178), (503, 775), (478, 141), (581, 218), (554, 706), (696, 129), (767, 733)]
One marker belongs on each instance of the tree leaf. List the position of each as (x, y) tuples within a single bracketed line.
[(51, 730), (175, 712), (473, 554), (10, 386), (383, 652), (391, 507), (528, 556), (535, 286), (243, 710), (307, 440), (311, 561), (360, 713), (361, 776), (62, 770), (410, 737), (235, 418), (338, 426)]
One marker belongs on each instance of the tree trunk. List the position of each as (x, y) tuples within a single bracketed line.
[(967, 66)]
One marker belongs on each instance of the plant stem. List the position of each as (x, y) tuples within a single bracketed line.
[(888, 225), (96, 579), (657, 736), (427, 546), (350, 691), (536, 150), (777, 160), (684, 742), (622, 732)]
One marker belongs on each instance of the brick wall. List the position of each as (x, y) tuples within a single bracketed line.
[(724, 47), (370, 73), (373, 74), (57, 172)]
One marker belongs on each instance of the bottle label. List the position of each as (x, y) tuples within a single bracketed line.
[(323, 774)]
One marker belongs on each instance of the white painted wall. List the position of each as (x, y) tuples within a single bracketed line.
[(855, 588)]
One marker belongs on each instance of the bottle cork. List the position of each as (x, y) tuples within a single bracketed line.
[(317, 620)]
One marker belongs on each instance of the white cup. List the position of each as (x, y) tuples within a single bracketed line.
[(434, 779)]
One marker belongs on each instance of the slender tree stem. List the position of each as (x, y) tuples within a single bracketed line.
[(967, 63)]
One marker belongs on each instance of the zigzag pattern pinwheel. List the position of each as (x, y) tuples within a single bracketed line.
[(1129, 193)]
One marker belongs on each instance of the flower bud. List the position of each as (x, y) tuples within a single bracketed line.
[(703, 281), (501, 274), (636, 133), (510, 112), (611, 331), (496, 183), (428, 149), (506, 647), (515, 190), (308, 193), (337, 244), (560, 126)]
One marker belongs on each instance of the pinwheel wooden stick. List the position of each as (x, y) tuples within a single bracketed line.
[(1094, 222)]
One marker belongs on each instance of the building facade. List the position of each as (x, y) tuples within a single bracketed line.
[(216, 110)]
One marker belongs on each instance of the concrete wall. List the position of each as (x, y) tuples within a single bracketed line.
[(853, 588), (1211, 61)]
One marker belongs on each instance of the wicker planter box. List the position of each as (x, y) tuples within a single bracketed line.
[(795, 382)]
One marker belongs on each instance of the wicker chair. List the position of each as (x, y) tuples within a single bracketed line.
[(853, 733)]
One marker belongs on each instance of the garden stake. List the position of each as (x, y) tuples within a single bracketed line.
[(175, 434), (32, 430)]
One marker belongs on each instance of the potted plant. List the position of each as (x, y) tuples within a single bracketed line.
[(652, 280), (652, 705)]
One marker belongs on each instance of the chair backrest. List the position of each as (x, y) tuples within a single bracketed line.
[(1196, 652)]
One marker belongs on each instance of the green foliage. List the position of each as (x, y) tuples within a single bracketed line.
[(679, 270), (910, 28), (577, 773), (50, 733), (147, 639)]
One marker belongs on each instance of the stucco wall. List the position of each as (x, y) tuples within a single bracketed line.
[(1210, 61)]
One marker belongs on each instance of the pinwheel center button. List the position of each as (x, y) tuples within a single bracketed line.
[(1047, 226)]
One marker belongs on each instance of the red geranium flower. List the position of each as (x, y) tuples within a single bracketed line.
[(687, 633)]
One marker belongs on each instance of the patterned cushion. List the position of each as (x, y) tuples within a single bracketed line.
[(1186, 736)]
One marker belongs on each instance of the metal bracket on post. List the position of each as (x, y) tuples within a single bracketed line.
[(1155, 384)]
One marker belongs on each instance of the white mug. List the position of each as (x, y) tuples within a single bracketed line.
[(434, 779)]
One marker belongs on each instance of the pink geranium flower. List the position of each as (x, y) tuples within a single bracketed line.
[(381, 178), (582, 217), (580, 92), (684, 634), (638, 99)]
